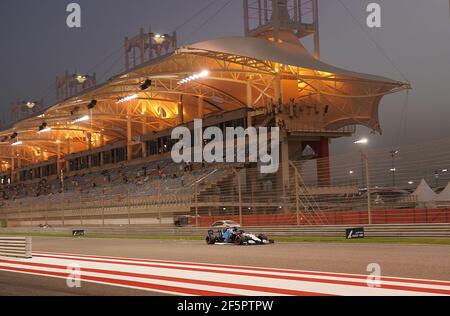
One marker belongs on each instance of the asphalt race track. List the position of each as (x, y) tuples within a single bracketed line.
[(193, 268), (16, 284)]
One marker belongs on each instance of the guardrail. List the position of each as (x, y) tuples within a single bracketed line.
[(18, 247), (390, 231)]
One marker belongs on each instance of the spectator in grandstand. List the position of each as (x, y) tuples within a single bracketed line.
[(325, 111), (291, 108), (281, 124), (317, 109), (161, 173), (276, 109)]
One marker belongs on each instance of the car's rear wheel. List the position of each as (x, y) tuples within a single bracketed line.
[(210, 241), (238, 240)]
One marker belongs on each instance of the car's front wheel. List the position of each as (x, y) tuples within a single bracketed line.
[(210, 241), (238, 241)]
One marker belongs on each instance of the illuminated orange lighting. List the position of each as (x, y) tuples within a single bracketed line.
[(324, 73), (302, 85)]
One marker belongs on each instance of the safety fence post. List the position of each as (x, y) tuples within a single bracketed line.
[(297, 201), (20, 211), (240, 196), (196, 203), (103, 212), (128, 207), (369, 191), (61, 203), (159, 203)]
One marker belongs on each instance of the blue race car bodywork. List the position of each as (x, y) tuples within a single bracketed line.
[(236, 236)]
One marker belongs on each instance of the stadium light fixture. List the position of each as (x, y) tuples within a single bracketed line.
[(92, 104), (200, 75), (45, 130), (410, 182), (147, 84), (30, 104), (82, 119), (127, 98), (362, 141), (444, 170), (159, 38), (81, 78)]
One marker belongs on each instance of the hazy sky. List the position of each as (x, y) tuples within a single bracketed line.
[(36, 45)]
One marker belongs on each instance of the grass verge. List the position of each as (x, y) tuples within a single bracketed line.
[(368, 240)]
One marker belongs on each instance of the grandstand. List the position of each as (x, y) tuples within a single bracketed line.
[(102, 156)]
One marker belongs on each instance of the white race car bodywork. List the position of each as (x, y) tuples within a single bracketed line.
[(252, 239)]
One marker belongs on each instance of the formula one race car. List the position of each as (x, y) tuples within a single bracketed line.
[(233, 235)]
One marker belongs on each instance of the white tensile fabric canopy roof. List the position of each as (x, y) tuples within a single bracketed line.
[(285, 53), (444, 196), (424, 193), (355, 96)]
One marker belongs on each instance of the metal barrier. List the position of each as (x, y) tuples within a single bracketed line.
[(355, 188), (389, 231), (19, 247)]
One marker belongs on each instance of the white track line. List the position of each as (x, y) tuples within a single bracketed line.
[(208, 279), (239, 268)]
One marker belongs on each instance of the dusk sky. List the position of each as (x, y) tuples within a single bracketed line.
[(36, 46)]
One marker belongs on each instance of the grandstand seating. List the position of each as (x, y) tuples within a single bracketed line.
[(144, 179)]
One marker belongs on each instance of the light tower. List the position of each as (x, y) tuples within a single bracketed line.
[(148, 46), (69, 85), (283, 20)]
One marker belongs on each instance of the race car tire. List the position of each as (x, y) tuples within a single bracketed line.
[(210, 241), (238, 241)]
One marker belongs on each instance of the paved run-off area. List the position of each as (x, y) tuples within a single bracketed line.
[(182, 260)]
